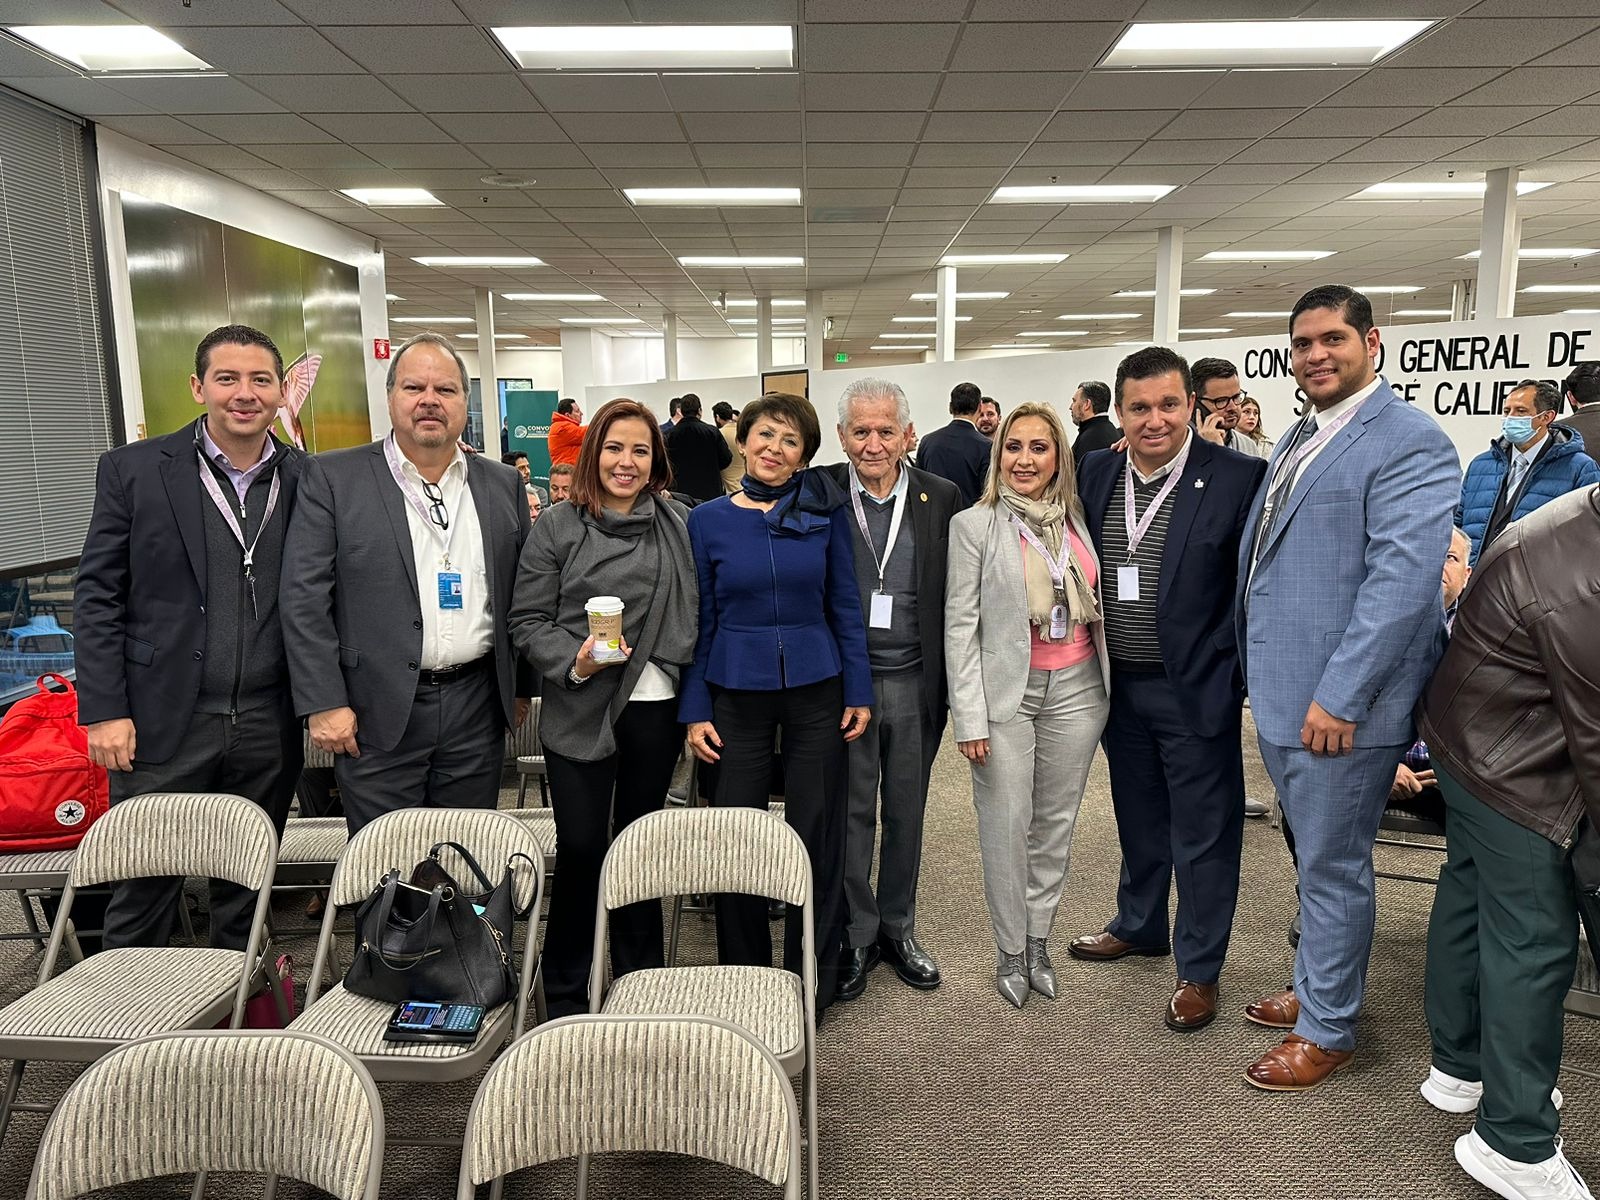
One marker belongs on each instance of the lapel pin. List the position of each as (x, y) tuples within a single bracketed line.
[(924, 497), (1199, 483)]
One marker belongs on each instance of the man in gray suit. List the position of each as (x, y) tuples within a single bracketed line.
[(902, 522), (396, 582), (1340, 624)]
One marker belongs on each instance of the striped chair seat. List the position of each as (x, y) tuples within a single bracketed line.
[(119, 995), (541, 822), (762, 1000), (313, 840), (357, 1023), (47, 868)]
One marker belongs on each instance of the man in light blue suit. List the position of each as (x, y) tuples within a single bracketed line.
[(1340, 626)]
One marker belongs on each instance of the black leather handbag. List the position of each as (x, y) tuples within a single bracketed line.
[(428, 938)]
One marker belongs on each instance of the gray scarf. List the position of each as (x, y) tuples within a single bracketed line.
[(1048, 522)]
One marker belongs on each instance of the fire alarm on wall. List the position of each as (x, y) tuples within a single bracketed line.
[(380, 348)]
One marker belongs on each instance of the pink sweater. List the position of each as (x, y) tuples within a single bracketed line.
[(1052, 656)]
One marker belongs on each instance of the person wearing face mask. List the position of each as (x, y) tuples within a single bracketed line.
[(618, 535), (1025, 653), (1532, 462)]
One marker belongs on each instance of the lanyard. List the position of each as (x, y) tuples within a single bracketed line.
[(1136, 531), (214, 490), (1291, 462), (392, 455), (903, 491), (1057, 568)]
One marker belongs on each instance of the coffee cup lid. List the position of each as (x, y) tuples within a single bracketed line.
[(603, 604)]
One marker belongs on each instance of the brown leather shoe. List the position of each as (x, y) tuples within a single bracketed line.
[(1278, 1011), (1107, 947), (1193, 1006), (1295, 1066)]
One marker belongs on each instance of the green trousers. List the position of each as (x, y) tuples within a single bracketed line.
[(1502, 946)]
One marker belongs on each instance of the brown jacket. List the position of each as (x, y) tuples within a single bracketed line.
[(1513, 712)]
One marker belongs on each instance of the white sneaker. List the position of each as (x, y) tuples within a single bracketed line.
[(1256, 808), (1552, 1179), (1452, 1095)]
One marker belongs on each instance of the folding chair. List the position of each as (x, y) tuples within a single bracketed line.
[(712, 850), (30, 876), (541, 822), (400, 839), (672, 1084), (152, 1107), (1408, 825), (121, 995), (524, 748)]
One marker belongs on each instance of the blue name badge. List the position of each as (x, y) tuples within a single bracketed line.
[(449, 589)]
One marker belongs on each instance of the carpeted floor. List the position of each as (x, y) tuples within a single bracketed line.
[(954, 1094)]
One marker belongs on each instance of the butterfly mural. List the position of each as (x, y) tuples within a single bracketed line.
[(298, 380)]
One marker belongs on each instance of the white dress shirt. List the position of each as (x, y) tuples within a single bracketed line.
[(1327, 416), (451, 637)]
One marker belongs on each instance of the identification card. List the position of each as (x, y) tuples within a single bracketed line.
[(1058, 623), (1128, 582), (450, 589), (881, 613)]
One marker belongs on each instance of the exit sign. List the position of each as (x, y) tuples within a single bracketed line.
[(841, 357)]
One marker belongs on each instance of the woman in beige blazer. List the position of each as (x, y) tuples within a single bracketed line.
[(1025, 653)]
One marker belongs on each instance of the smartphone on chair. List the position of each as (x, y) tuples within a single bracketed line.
[(431, 1021)]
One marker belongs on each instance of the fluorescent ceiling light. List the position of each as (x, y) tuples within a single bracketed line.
[(999, 260), (554, 297), (644, 333), (739, 260), (648, 47), (398, 197), (1258, 315), (392, 297), (1265, 255), (1260, 43), (752, 304), (1544, 252), (111, 47), (714, 197), (1422, 312), (931, 296), (909, 337), (1143, 295), (1390, 289), (1558, 288), (479, 260), (432, 321), (921, 320), (1447, 190), (1099, 316), (1204, 329), (1018, 346), (897, 349), (1054, 333), (775, 320), (499, 337), (601, 321), (1579, 312), (1088, 193)]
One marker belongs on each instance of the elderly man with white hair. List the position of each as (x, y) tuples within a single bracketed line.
[(901, 518)]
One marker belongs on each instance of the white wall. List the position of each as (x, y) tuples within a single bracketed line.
[(129, 166), (1459, 372), (541, 366)]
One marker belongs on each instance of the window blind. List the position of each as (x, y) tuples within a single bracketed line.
[(55, 402)]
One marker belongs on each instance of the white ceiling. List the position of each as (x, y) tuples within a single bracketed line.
[(912, 111)]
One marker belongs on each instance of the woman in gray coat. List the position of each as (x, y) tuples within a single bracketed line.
[(1025, 654), (610, 729)]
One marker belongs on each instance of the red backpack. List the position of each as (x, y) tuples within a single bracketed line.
[(50, 793)]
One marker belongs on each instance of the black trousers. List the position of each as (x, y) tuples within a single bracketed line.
[(1179, 800), (593, 802), (814, 793), (258, 757)]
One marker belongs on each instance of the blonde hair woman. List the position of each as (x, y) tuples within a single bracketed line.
[(1025, 654)]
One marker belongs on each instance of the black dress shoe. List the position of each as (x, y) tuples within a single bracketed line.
[(855, 964), (911, 962)]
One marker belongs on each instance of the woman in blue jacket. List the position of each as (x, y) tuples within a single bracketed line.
[(782, 648)]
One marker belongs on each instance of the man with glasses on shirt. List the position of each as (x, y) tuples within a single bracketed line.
[(397, 576), (1217, 396)]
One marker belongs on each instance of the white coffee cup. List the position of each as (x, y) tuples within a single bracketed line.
[(605, 626)]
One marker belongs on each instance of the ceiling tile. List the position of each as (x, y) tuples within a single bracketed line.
[(760, 154), (1039, 46), (978, 91), (1267, 89), (1550, 85), (733, 93), (394, 49), (500, 127), (163, 14), (1227, 123), (621, 127), (1121, 90), (969, 154), (445, 93), (379, 127), (327, 93), (742, 126), (86, 97), (886, 10), (1106, 126), (327, 154), (599, 93), (889, 91), (984, 126), (1405, 149), (219, 157), (910, 47), (268, 50), (863, 127), (1484, 43), (247, 128), (420, 154), (517, 156), (1422, 86)]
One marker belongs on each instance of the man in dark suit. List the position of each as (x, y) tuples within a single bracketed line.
[(397, 578), (182, 680), (1165, 516), (1582, 387), (697, 452), (1096, 431), (958, 452), (900, 568)]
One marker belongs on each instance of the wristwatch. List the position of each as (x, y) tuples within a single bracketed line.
[(574, 678)]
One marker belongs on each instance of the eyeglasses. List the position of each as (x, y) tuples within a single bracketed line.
[(1224, 401), (436, 509)]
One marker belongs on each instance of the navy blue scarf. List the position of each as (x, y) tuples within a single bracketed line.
[(807, 500)]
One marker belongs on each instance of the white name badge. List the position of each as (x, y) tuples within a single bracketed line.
[(1128, 582), (881, 614)]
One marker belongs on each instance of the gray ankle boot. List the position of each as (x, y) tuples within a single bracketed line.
[(1041, 971), (1011, 979)]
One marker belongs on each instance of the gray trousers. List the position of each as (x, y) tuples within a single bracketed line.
[(894, 758), (450, 756), (258, 757), (1028, 796)]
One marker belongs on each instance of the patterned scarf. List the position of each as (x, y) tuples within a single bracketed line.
[(1048, 522)]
